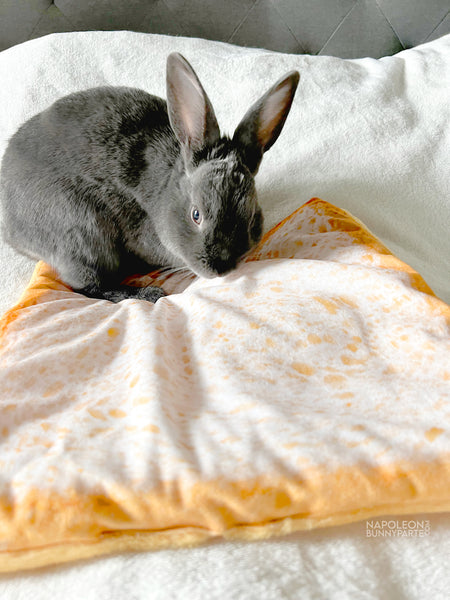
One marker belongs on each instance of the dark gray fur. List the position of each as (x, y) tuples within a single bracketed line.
[(103, 183)]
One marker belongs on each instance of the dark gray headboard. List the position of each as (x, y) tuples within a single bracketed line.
[(345, 28)]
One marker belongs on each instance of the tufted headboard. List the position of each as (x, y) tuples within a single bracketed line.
[(345, 28)]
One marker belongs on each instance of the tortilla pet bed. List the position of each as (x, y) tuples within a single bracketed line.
[(308, 388)]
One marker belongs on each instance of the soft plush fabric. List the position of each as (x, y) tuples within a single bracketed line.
[(309, 387), (369, 136)]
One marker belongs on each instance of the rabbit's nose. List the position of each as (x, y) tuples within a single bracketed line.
[(222, 267)]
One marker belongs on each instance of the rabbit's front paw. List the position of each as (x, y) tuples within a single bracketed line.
[(150, 293)]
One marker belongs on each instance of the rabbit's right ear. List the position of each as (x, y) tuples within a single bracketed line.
[(263, 122), (191, 114)]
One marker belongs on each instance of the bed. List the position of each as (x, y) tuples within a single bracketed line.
[(314, 461)]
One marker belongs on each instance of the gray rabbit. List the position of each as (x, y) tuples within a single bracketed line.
[(113, 181)]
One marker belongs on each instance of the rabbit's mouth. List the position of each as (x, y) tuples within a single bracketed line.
[(218, 267), (210, 273)]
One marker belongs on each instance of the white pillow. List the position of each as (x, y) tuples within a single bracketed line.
[(371, 136)]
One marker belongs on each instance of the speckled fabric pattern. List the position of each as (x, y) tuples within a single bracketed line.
[(309, 387)]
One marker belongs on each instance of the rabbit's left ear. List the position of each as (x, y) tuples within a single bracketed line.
[(263, 122), (191, 114)]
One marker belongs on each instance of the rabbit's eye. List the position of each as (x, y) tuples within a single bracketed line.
[(196, 216)]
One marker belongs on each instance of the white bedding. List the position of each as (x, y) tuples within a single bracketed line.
[(370, 136)]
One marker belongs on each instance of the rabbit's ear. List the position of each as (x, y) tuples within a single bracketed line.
[(263, 122), (190, 111)]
